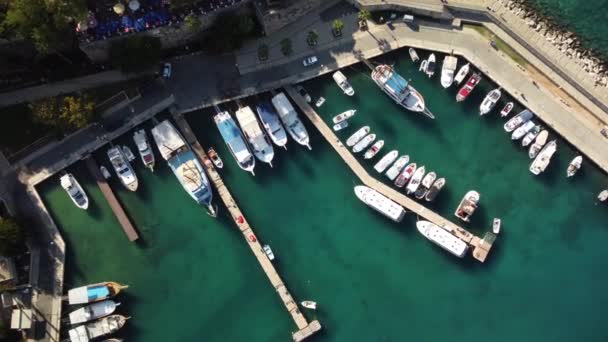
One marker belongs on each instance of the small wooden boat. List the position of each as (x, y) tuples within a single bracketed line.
[(435, 189), (414, 55), (340, 126), (574, 166), (507, 109), (268, 252), (372, 151), (320, 102), (94, 292), (603, 196), (309, 304), (128, 153), (93, 311), (344, 115), (496, 225), (467, 206), (105, 326), (215, 158)]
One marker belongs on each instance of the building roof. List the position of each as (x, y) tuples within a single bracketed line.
[(21, 319)]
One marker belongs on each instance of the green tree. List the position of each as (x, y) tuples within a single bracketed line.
[(11, 237), (263, 52), (312, 38), (192, 22), (228, 32), (337, 27), (135, 53), (65, 114), (364, 15), (286, 47)]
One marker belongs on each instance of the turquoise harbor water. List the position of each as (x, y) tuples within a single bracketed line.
[(193, 278)]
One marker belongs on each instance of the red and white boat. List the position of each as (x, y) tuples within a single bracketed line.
[(506, 109), (405, 175), (466, 89)]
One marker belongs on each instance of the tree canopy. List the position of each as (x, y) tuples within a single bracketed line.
[(11, 237), (65, 114), (228, 32), (136, 53)]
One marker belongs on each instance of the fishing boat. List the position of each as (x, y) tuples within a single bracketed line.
[(235, 141), (467, 206), (400, 90), (128, 153), (309, 304), (442, 238), (340, 126), (543, 159), (215, 158), (272, 124), (435, 189), (414, 55), (342, 82), (523, 130), (541, 139), (344, 115), (430, 66), (425, 185), (268, 252), (94, 292), (496, 225), (530, 136), (183, 163), (372, 151), (489, 101), (289, 117), (506, 109), (123, 168), (423, 66), (358, 135), (303, 93), (74, 190), (396, 168), (462, 73), (466, 89), (447, 71), (414, 182), (405, 175), (380, 203), (320, 102), (574, 166), (102, 327), (259, 143), (143, 147), (386, 160), (523, 116), (93, 311), (363, 143), (603, 196), (104, 172)]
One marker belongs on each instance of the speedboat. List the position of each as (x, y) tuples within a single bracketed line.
[(442, 238), (530, 136), (507, 109), (462, 73), (386, 160), (123, 168), (414, 183), (363, 143), (466, 89), (523, 130), (94, 292), (405, 175), (358, 135), (272, 124), (128, 153), (372, 151), (290, 119), (425, 185), (215, 158), (143, 147), (541, 139), (467, 206), (496, 225), (574, 166), (303, 93), (543, 159), (523, 116), (340, 126), (93, 311), (435, 189), (396, 168), (74, 190), (259, 143), (320, 102), (414, 55), (344, 115), (309, 304), (104, 172), (102, 327), (400, 90), (342, 82), (423, 66), (603, 196), (268, 252), (447, 71), (234, 140), (430, 66), (489, 102)]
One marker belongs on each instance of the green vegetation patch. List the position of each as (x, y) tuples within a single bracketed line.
[(499, 44)]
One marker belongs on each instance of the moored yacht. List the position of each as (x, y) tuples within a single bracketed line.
[(530, 136), (405, 175), (289, 117), (342, 82), (447, 71), (234, 140), (506, 109), (543, 159), (94, 292), (462, 73), (102, 327), (523, 116), (425, 185), (413, 55), (340, 126), (358, 135), (414, 183), (435, 189), (541, 139), (272, 124), (399, 89), (489, 101), (74, 190), (344, 116), (386, 160), (430, 66), (467, 206), (466, 89), (123, 169), (396, 168), (372, 151), (574, 166), (143, 147), (380, 203), (93, 311), (523, 130), (442, 238), (259, 143), (363, 143)]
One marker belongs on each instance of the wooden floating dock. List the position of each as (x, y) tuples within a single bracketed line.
[(481, 247), (107, 192), (305, 329)]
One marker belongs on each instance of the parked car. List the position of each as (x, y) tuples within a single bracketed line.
[(167, 70), (310, 61)]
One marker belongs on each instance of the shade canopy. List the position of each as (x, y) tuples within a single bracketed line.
[(119, 8), (134, 5)]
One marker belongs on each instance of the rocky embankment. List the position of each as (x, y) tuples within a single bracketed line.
[(564, 41)]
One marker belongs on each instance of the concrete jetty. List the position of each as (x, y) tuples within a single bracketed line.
[(305, 329), (481, 247), (107, 192)]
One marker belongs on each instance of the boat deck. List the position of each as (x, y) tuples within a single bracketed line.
[(305, 329), (481, 247), (107, 192)]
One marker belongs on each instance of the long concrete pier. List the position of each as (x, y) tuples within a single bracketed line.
[(305, 329), (481, 247), (117, 208)]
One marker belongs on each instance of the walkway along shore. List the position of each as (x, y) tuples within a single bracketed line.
[(305, 329), (481, 247)]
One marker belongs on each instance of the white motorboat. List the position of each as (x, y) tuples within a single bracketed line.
[(400, 90), (574, 166), (386, 160), (447, 71), (522, 130), (423, 66), (74, 190), (496, 225), (309, 304), (123, 168), (414, 55), (94, 292), (467, 206), (442, 238), (344, 116), (290, 119), (506, 109), (425, 185), (414, 183), (215, 158), (435, 189), (603, 196), (340, 126), (259, 143), (364, 143), (523, 116), (104, 172), (268, 252), (380, 203), (430, 66), (541, 139), (102, 327), (543, 159), (342, 82), (304, 94), (272, 124), (530, 136), (372, 151), (143, 147), (397, 167), (405, 175), (489, 101), (93, 311), (320, 102), (462, 73), (128, 153), (358, 135), (235, 141)]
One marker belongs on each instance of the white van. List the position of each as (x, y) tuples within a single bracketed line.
[(408, 18)]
